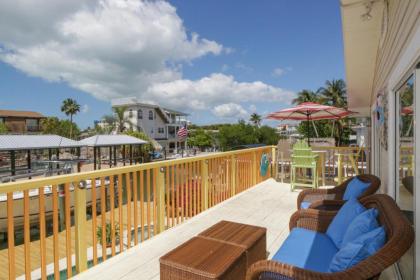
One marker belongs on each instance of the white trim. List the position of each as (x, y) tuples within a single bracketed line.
[(416, 194), (393, 136)]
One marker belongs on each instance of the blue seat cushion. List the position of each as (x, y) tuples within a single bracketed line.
[(307, 249), (355, 188), (305, 204), (347, 213), (362, 224), (358, 250)]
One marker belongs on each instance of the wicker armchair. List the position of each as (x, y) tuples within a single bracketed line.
[(327, 199), (400, 236)]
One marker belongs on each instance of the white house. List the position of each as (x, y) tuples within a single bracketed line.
[(382, 55), (159, 123)]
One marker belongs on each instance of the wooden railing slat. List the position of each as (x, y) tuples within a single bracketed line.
[(120, 211), (135, 210), (155, 223), (148, 203), (128, 192), (68, 229), (112, 214), (11, 236), (142, 201), (27, 235), (103, 218), (55, 234), (94, 232), (41, 200)]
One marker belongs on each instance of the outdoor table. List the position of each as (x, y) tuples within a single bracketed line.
[(251, 238), (204, 258)]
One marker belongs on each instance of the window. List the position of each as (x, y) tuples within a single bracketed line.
[(405, 171), (150, 115), (31, 124), (140, 114), (130, 113), (1, 120), (161, 130)]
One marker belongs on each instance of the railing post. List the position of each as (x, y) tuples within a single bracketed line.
[(160, 189), (274, 162), (205, 184), (233, 174), (254, 168), (340, 169), (80, 226), (283, 176)]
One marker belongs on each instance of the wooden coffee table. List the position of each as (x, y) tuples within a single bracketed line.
[(204, 258), (251, 238)]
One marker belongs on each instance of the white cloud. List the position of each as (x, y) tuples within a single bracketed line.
[(214, 90), (85, 108), (121, 48), (229, 110), (278, 72), (108, 48)]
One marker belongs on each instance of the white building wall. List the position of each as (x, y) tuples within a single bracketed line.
[(149, 126), (401, 71)]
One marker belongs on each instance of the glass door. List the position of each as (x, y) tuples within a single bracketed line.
[(405, 159)]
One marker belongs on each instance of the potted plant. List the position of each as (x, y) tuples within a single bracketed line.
[(108, 234)]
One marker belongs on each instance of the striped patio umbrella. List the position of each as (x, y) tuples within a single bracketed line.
[(310, 111)]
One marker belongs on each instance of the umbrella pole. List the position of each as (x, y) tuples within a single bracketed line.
[(307, 128)]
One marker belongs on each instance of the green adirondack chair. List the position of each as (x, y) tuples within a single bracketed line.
[(304, 158)]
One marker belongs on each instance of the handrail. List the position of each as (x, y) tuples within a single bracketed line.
[(70, 178), (139, 200)]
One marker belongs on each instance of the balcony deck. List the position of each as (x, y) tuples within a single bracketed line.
[(268, 204)]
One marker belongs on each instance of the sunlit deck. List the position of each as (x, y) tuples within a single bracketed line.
[(269, 204)]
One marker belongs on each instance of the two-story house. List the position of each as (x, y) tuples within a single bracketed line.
[(21, 121), (159, 123)]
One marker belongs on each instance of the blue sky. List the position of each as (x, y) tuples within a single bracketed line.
[(249, 55)]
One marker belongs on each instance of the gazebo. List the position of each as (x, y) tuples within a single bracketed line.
[(112, 142), (27, 143)]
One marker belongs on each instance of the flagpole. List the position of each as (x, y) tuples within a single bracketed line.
[(186, 137)]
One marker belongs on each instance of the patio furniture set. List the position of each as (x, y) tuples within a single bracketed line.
[(347, 232)]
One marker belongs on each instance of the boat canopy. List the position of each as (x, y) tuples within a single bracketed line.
[(111, 140), (36, 142)]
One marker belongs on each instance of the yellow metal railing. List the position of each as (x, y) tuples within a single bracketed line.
[(84, 218)]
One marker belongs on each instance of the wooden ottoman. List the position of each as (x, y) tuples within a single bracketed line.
[(202, 259), (251, 238)]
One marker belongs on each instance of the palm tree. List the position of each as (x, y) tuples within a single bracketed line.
[(305, 96), (120, 119), (255, 119), (70, 107), (334, 93)]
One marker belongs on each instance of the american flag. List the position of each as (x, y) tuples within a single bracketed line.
[(183, 132)]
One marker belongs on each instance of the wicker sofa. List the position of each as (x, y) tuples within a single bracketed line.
[(328, 199), (399, 238)]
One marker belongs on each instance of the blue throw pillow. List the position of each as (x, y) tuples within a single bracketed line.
[(355, 188), (362, 224), (338, 227), (358, 250), (374, 239)]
